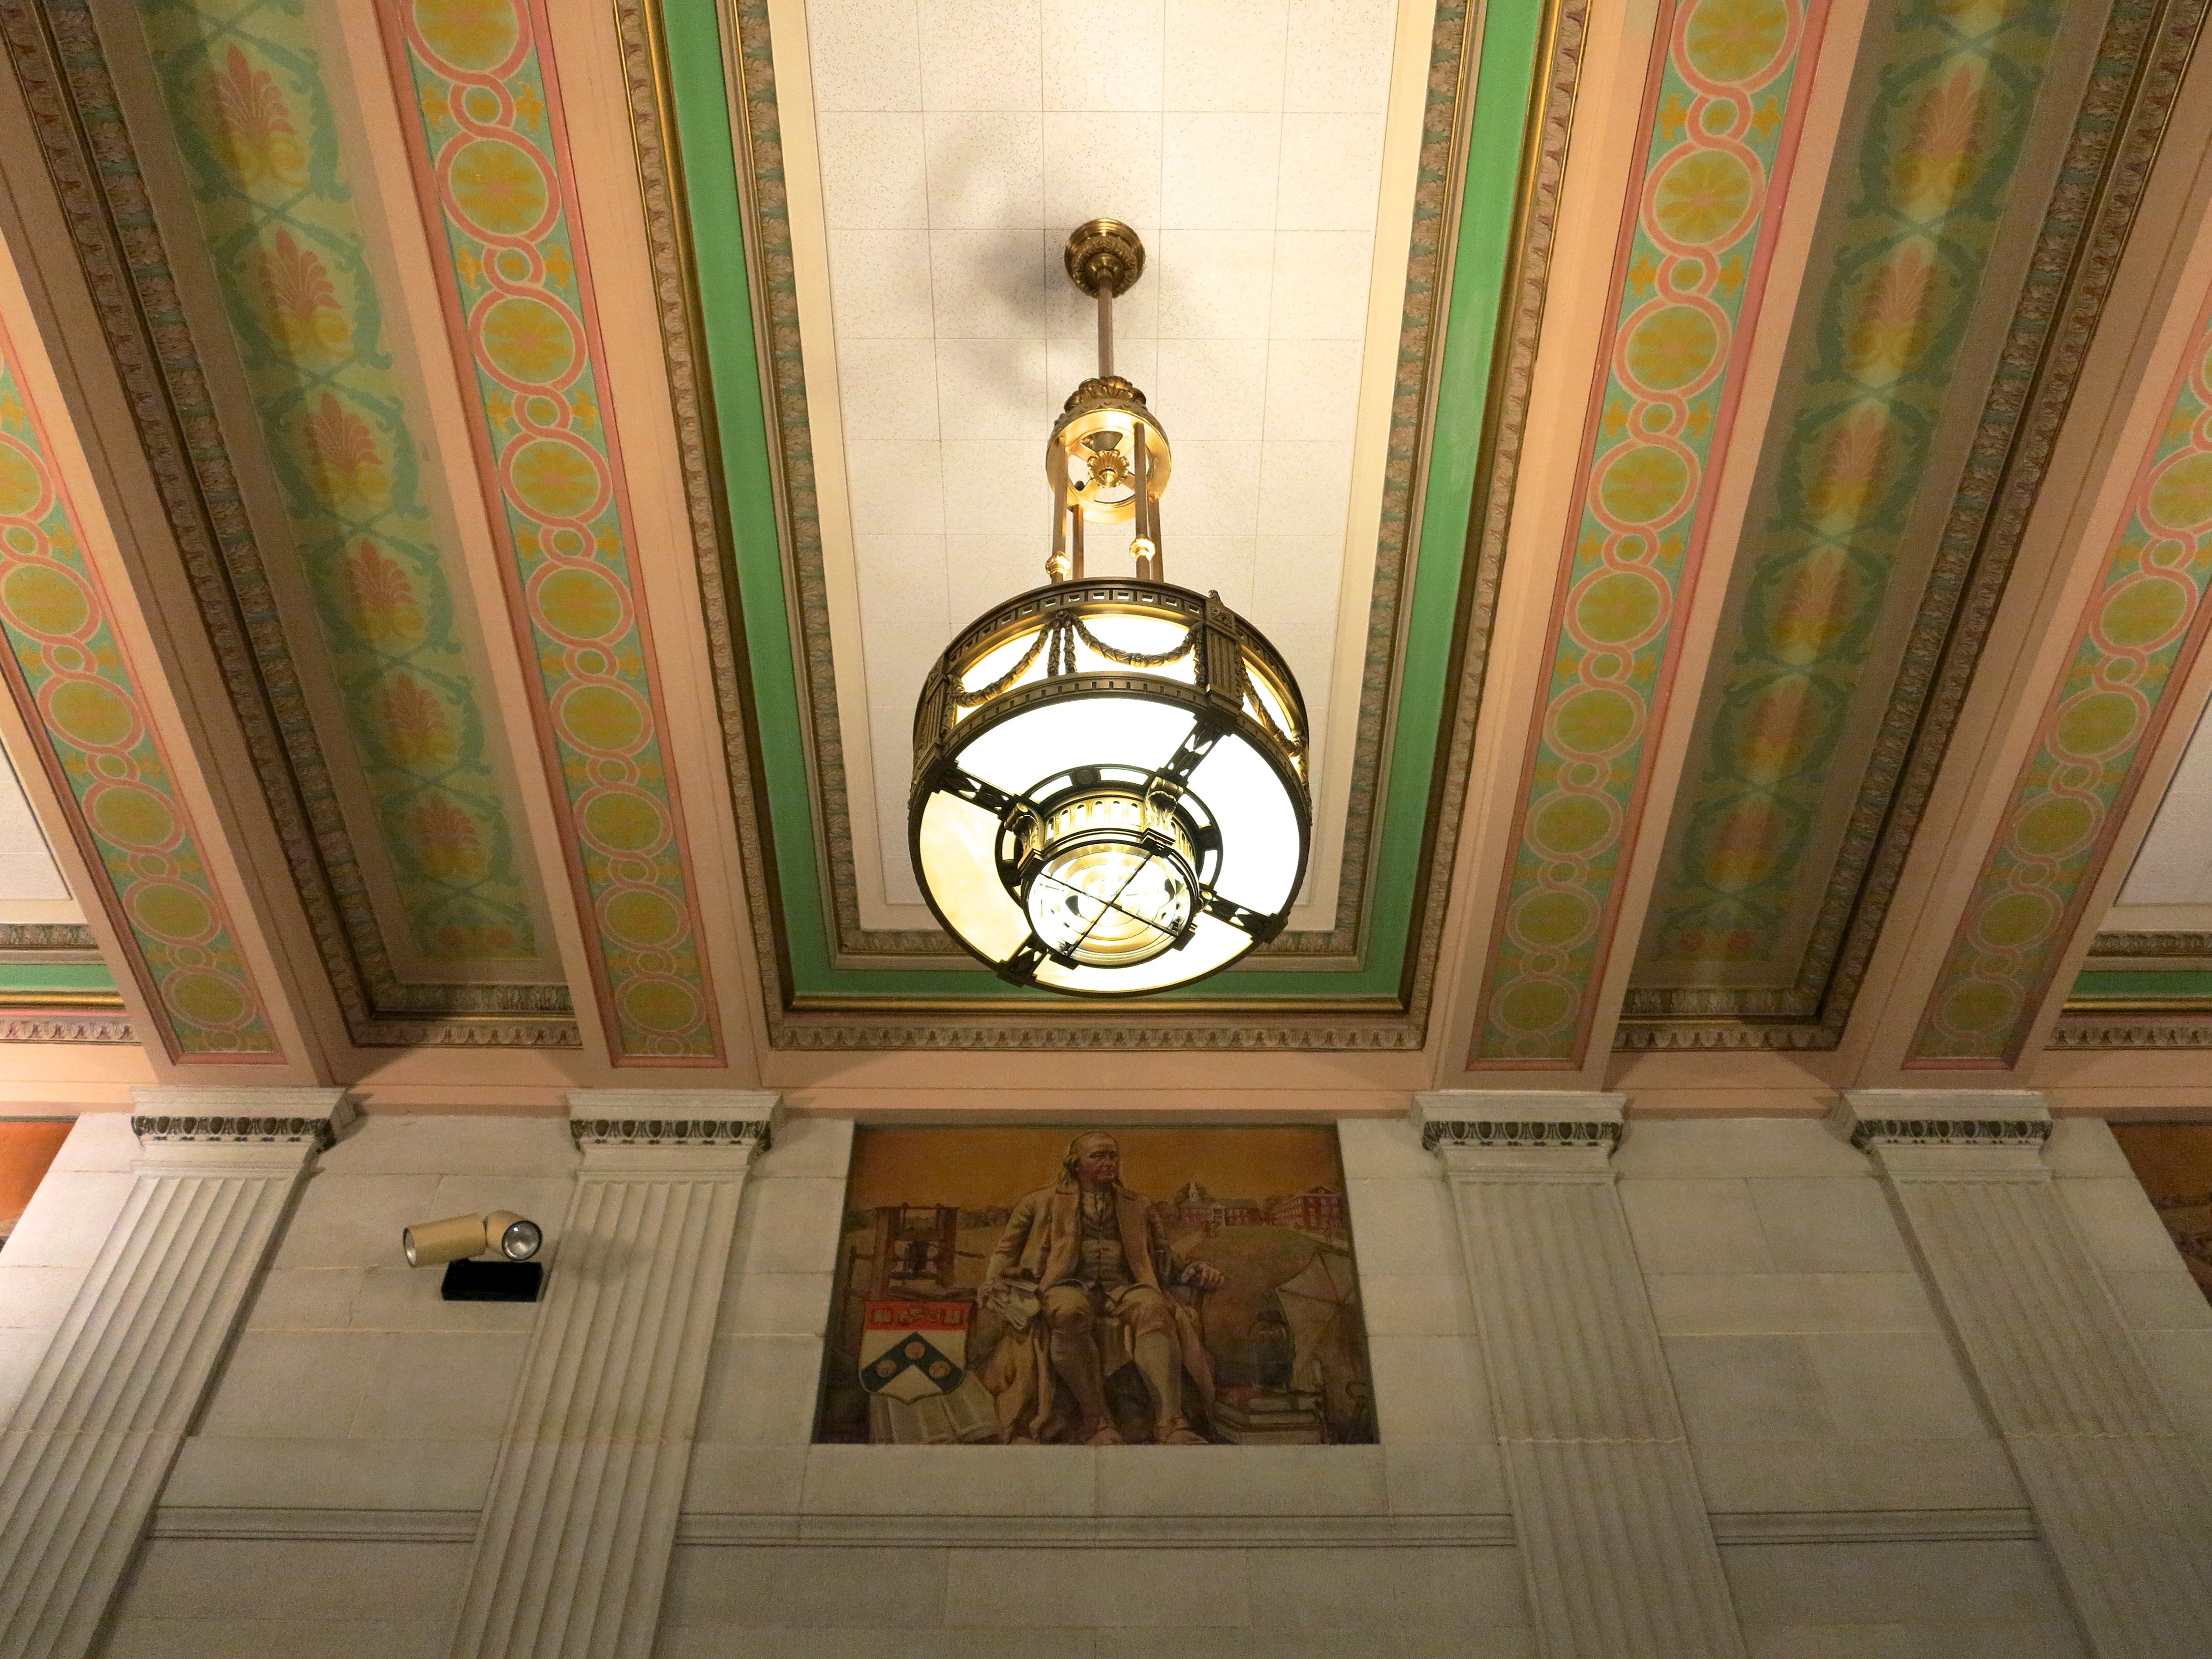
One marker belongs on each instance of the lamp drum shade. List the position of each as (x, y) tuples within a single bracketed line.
[(1109, 794)]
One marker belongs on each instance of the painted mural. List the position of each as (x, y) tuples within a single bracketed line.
[(244, 83), (1028, 1285), (28, 1146), (485, 128), (1926, 190), (73, 680), (2174, 1161), (1719, 124), (2140, 631)]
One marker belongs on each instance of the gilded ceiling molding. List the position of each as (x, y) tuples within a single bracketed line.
[(46, 1015), (2150, 945), (2139, 633), (78, 690), (50, 1025), (2179, 1030), (2145, 49), (46, 936), (495, 184), (86, 144), (1719, 131), (1318, 1026), (1521, 306)]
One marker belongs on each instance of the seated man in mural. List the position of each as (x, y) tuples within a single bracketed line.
[(1081, 1275)]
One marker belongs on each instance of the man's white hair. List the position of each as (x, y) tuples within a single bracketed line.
[(1078, 1146)]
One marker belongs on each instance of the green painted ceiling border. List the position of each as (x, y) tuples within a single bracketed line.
[(1503, 83), (75, 978), (2102, 987)]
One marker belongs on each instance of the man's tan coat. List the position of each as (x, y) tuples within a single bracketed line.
[(1043, 1239), (1044, 1243)]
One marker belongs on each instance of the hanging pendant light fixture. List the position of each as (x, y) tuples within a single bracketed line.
[(1109, 794)]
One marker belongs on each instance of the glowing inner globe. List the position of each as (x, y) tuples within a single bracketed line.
[(1115, 885)]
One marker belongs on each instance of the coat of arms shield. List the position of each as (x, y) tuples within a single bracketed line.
[(910, 1351)]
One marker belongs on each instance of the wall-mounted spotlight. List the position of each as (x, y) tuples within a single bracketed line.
[(511, 1237)]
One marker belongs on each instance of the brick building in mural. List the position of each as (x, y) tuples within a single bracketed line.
[(1193, 1207), (1321, 1211)]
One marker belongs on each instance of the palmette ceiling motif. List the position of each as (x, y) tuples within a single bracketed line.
[(566, 441)]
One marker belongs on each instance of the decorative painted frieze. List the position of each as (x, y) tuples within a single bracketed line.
[(1717, 141), (247, 91), (1921, 198), (91, 157), (481, 106), (2139, 633), (81, 690)]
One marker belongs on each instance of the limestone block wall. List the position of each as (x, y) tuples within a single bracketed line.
[(1829, 1416), (1812, 1371), (1863, 1506)]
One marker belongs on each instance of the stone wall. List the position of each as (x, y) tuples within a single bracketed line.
[(326, 1501)]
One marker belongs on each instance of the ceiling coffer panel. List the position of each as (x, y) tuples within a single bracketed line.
[(221, 222), (1991, 172), (899, 180)]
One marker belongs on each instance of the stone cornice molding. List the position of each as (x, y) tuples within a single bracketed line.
[(199, 1116), (1472, 1127), (1947, 1131), (716, 1119)]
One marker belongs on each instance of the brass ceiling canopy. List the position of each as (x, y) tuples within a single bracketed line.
[(1110, 795)]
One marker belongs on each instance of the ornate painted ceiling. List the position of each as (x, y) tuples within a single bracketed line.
[(481, 482)]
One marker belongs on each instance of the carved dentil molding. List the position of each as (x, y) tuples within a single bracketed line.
[(672, 1131), (1880, 1118), (1949, 1132), (239, 1117), (1518, 1120), (1518, 1132), (705, 1118)]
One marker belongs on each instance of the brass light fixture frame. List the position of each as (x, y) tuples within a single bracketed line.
[(1077, 638)]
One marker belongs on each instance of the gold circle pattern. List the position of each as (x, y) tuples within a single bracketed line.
[(2139, 634), (489, 139), (1715, 129), (73, 680)]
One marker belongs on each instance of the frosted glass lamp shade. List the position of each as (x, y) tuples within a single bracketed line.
[(1109, 794)]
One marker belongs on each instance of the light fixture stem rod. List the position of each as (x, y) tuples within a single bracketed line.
[(1105, 330), (1148, 558)]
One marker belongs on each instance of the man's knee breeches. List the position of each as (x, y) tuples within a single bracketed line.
[(1148, 1309), (1067, 1309)]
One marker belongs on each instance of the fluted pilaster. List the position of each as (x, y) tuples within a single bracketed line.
[(573, 1550), (1615, 1546), (2118, 1491), (92, 1441)]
